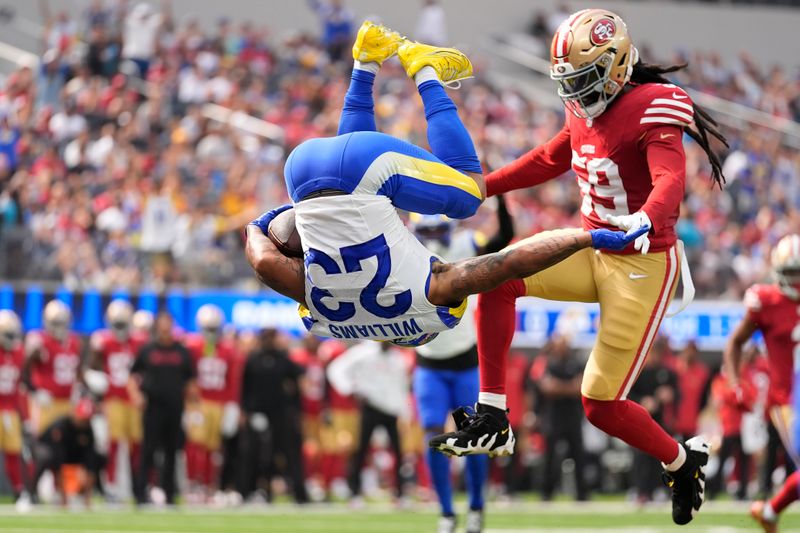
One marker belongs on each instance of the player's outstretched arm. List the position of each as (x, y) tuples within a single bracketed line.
[(452, 282), (282, 274), (732, 356)]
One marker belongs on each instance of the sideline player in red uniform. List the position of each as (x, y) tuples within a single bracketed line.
[(623, 139), (312, 388), (775, 311), (215, 365), (51, 365), (12, 358), (113, 351)]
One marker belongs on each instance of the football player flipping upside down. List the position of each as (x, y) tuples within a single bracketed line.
[(364, 274), (623, 139)]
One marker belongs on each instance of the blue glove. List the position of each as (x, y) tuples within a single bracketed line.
[(606, 239), (263, 221)]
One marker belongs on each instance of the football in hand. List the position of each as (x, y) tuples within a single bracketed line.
[(283, 234)]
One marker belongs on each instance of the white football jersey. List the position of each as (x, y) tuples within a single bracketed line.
[(366, 273), (462, 337)]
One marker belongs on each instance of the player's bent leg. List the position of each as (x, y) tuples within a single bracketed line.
[(634, 292), (767, 513), (374, 45), (431, 393), (496, 322)]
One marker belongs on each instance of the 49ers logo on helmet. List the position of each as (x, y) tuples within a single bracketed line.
[(602, 31)]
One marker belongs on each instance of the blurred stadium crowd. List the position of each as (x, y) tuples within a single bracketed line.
[(112, 173)]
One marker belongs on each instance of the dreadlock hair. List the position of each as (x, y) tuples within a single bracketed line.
[(703, 122)]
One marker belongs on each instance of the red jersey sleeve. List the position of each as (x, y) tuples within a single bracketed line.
[(666, 110), (753, 305), (541, 164), (666, 160)]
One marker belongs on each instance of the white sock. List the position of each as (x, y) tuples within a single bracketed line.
[(371, 66), (769, 513), (424, 74), (492, 399), (678, 462)]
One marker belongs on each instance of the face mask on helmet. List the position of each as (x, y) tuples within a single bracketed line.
[(789, 280), (210, 334), (436, 236), (9, 339), (120, 329), (586, 92), (57, 327)]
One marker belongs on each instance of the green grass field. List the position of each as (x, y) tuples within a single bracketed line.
[(284, 518)]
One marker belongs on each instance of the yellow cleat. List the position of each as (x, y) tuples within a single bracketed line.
[(375, 43), (450, 64)]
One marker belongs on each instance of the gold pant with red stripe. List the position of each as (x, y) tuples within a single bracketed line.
[(633, 291)]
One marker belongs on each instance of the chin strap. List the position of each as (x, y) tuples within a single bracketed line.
[(686, 278)]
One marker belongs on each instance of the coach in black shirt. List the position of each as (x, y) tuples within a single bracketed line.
[(161, 377), (272, 438), (558, 393)]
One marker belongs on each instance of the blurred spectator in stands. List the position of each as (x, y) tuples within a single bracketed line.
[(162, 377), (378, 374), (272, 439), (140, 37), (337, 27), (731, 402), (657, 391), (557, 374), (432, 24), (693, 389)]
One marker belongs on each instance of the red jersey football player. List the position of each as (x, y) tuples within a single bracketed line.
[(12, 357), (693, 376), (216, 367), (113, 351), (51, 365), (339, 434), (623, 139), (731, 403), (775, 311), (313, 385)]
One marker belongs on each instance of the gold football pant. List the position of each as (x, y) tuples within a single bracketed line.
[(633, 291)]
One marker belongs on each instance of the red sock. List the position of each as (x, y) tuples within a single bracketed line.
[(134, 449), (193, 461), (629, 421), (497, 320), (14, 471), (787, 494), (111, 465), (209, 468)]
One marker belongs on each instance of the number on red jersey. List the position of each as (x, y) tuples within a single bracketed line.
[(212, 373), (601, 186)]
